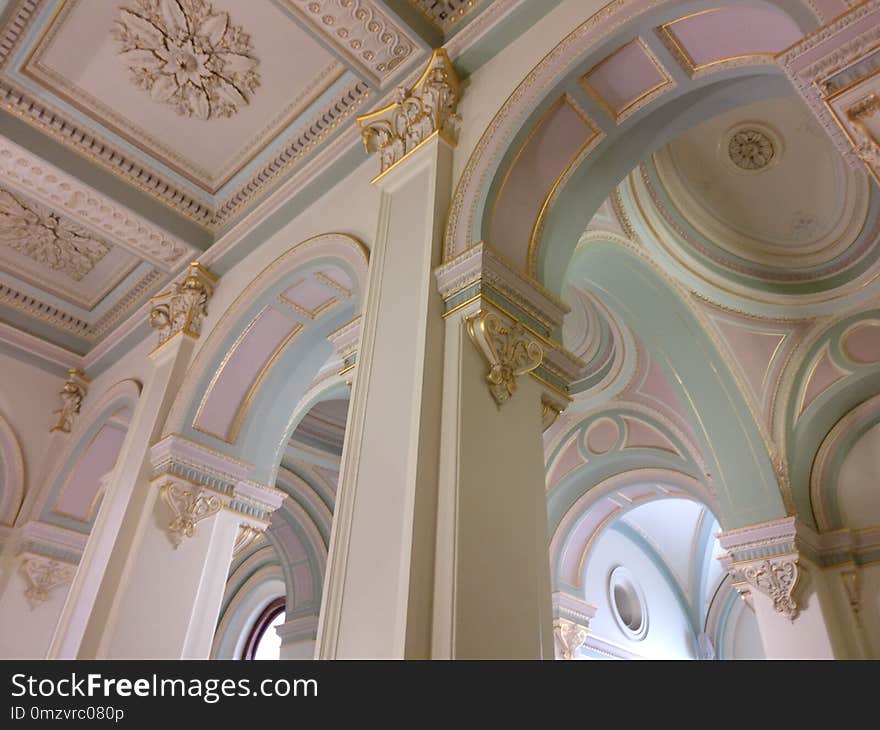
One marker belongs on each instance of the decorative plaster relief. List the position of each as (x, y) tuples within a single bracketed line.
[(183, 307), (247, 534), (428, 107), (69, 196), (189, 506), (777, 579), (361, 30), (186, 55), (750, 149), (42, 575), (568, 637), (72, 395), (508, 350), (48, 238)]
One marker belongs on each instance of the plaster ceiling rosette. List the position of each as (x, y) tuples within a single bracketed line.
[(761, 197)]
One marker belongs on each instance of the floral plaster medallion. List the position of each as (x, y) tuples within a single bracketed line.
[(187, 55)]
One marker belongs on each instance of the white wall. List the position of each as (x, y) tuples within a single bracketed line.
[(669, 635)]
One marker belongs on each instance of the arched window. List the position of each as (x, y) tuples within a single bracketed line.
[(263, 642)]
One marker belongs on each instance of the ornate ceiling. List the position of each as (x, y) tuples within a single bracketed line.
[(134, 134)]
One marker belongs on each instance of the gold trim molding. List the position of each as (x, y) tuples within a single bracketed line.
[(72, 395)]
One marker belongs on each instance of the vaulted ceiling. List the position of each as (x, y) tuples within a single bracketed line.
[(134, 134)]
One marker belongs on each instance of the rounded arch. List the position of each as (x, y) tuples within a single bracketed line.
[(607, 147), (727, 434), (265, 350), (825, 477), (11, 474), (74, 487), (832, 374)]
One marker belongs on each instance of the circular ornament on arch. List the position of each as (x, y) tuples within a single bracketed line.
[(861, 343), (628, 605), (602, 436)]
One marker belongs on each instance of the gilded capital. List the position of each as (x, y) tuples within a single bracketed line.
[(42, 575), (416, 114), (189, 505), (568, 637), (508, 350), (776, 579), (72, 395), (182, 308)]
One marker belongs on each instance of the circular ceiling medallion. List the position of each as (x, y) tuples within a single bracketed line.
[(188, 56), (752, 148)]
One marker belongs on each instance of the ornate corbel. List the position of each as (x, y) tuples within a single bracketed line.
[(568, 637), (183, 307), (189, 506), (247, 534), (852, 586), (416, 114), (72, 395), (776, 578), (507, 348), (42, 575)]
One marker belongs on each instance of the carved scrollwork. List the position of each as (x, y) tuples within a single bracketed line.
[(508, 350), (72, 395), (778, 580), (867, 147), (189, 506), (183, 308), (568, 637), (42, 575), (428, 107), (247, 534)]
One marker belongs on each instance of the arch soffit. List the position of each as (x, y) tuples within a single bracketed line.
[(115, 405), (292, 340), (12, 486), (599, 37)]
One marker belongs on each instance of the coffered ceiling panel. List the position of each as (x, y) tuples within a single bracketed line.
[(204, 105)]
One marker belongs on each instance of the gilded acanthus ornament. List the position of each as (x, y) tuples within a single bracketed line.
[(42, 575), (568, 637), (507, 349), (190, 506), (187, 55), (182, 308), (778, 580), (47, 238), (416, 114), (72, 395)]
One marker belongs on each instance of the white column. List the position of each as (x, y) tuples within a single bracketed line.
[(177, 316), (801, 607)]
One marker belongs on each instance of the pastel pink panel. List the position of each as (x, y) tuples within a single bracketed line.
[(734, 31), (77, 495), (602, 436), (568, 460), (334, 273), (641, 435), (309, 294), (302, 583), (825, 374), (862, 344), (754, 352), (269, 330), (624, 76), (544, 158)]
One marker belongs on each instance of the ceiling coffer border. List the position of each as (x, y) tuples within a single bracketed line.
[(94, 147)]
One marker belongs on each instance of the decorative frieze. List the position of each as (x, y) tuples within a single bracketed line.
[(42, 575), (415, 115), (183, 307), (509, 351), (346, 341), (72, 395)]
